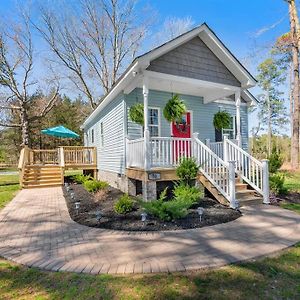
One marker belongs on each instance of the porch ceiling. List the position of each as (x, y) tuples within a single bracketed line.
[(210, 91)]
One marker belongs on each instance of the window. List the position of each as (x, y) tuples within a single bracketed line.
[(101, 135), (231, 131), (153, 121), (93, 138)]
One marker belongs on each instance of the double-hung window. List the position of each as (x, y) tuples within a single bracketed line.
[(231, 131), (153, 121)]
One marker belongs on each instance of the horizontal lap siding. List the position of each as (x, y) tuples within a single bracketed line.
[(203, 114), (195, 60), (111, 157)]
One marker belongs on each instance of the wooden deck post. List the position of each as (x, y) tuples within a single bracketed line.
[(266, 188)]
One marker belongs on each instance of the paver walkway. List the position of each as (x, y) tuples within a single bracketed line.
[(36, 230)]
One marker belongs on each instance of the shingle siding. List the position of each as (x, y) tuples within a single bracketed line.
[(110, 157), (194, 60), (202, 115)]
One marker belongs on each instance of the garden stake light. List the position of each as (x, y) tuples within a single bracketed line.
[(144, 218), (77, 206), (98, 216), (200, 211)]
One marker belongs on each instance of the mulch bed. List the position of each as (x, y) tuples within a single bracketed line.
[(104, 200)]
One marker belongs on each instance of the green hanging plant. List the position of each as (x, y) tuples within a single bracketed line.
[(136, 113), (174, 109), (222, 119)]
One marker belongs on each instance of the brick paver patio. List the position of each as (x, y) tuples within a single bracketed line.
[(36, 230)]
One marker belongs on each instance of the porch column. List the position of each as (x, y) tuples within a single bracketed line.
[(238, 117), (147, 151)]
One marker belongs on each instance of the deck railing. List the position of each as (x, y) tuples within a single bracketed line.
[(75, 155), (72, 156)]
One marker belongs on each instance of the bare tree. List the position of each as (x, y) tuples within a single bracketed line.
[(295, 37), (173, 27), (96, 45), (16, 78)]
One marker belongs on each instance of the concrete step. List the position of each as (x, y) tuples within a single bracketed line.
[(250, 201)]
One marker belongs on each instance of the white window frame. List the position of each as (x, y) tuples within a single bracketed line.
[(225, 131), (159, 121), (92, 136), (101, 134)]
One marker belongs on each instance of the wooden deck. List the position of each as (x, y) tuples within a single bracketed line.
[(45, 167)]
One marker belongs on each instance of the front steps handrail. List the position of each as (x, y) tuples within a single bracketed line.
[(251, 170), (220, 173)]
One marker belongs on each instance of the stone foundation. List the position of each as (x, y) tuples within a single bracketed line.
[(119, 181)]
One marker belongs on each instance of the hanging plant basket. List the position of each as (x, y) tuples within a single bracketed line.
[(222, 120), (174, 109), (136, 113)]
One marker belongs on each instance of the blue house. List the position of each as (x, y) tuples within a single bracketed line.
[(208, 78)]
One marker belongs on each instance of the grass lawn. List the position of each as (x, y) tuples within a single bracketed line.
[(9, 185), (276, 277)]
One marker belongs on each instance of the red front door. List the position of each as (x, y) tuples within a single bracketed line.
[(182, 130)]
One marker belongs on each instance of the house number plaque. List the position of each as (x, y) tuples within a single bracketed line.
[(154, 176)]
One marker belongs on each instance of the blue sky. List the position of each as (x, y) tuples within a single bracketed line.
[(245, 26)]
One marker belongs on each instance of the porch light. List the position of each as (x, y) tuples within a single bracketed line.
[(200, 211), (98, 216), (144, 217)]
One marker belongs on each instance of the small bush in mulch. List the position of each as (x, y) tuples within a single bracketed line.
[(124, 205), (93, 186), (105, 200)]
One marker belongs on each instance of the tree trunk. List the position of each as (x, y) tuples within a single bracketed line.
[(24, 127), (269, 125), (295, 56)]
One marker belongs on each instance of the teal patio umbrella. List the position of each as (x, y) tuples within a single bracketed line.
[(61, 131)]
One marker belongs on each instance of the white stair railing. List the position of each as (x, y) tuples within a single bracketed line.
[(221, 174), (251, 170)]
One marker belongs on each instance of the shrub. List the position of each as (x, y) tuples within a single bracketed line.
[(124, 205), (80, 178), (275, 161), (177, 208), (93, 186), (187, 193), (187, 170), (277, 184)]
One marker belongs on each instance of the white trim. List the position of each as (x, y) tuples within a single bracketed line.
[(198, 82), (230, 102), (159, 119)]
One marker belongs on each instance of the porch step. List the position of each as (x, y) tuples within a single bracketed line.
[(42, 176), (244, 194)]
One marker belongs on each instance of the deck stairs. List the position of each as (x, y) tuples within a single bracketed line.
[(245, 195), (42, 176)]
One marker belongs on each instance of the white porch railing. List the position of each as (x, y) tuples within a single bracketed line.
[(135, 153), (251, 170), (219, 162), (167, 151)]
